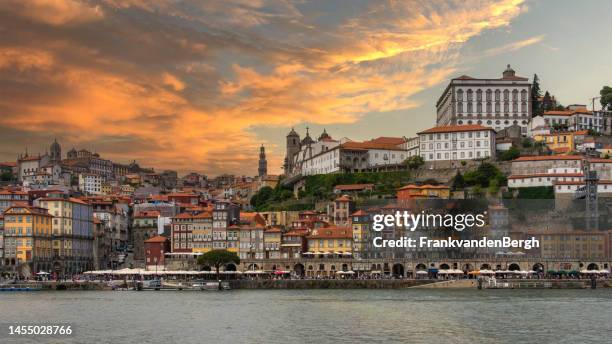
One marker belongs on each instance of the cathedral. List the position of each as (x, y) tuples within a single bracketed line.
[(299, 150)]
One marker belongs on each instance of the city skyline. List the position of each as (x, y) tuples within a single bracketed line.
[(195, 86)]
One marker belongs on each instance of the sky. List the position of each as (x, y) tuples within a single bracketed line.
[(200, 85)]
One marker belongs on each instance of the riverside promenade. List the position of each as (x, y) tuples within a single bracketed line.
[(324, 284)]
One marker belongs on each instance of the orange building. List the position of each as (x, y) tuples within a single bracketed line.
[(412, 191)]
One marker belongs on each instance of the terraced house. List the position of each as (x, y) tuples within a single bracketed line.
[(28, 239), (144, 227), (202, 232), (72, 234)]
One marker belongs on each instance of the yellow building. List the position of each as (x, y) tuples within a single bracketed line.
[(561, 142), (423, 191), (127, 190), (106, 188), (330, 241), (581, 245), (28, 237), (272, 243), (202, 232)]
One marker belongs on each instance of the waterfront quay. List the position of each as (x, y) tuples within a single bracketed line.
[(321, 267)]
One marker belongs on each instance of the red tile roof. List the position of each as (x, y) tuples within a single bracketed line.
[(536, 175), (548, 157), (157, 239), (455, 128), (426, 186), (147, 214), (386, 140), (273, 230), (347, 187), (572, 182), (183, 216), (331, 233), (354, 145), (343, 198), (297, 232)]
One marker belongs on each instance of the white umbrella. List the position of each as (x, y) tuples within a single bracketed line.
[(422, 272), (42, 273)]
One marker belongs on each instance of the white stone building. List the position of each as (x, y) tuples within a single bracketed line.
[(549, 178), (327, 155), (529, 165), (90, 184), (411, 146), (496, 103), (457, 142)]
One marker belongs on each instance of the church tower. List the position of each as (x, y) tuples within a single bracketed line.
[(55, 153), (263, 163), (293, 147)]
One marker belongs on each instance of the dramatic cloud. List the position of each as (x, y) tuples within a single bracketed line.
[(181, 84)]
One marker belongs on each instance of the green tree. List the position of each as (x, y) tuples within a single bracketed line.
[(536, 93), (414, 162), (527, 143), (6, 176), (606, 98), (547, 102), (494, 186), (483, 175), (262, 196), (458, 181), (218, 258), (510, 154)]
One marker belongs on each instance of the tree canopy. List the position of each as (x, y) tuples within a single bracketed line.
[(606, 97), (536, 93), (483, 175), (267, 195), (218, 258), (510, 154), (414, 162)]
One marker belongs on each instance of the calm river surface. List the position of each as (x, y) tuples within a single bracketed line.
[(317, 316)]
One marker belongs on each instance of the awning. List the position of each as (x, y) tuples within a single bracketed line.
[(254, 272), (345, 272)]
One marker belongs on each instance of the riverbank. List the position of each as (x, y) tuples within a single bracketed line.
[(332, 284)]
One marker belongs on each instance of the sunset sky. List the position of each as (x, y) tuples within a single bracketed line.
[(200, 85)]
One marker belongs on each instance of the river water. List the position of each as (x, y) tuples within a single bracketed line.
[(316, 316)]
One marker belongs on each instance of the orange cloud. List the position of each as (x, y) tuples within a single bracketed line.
[(54, 12), (183, 90)]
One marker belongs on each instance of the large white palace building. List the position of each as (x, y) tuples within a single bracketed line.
[(495, 103)]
